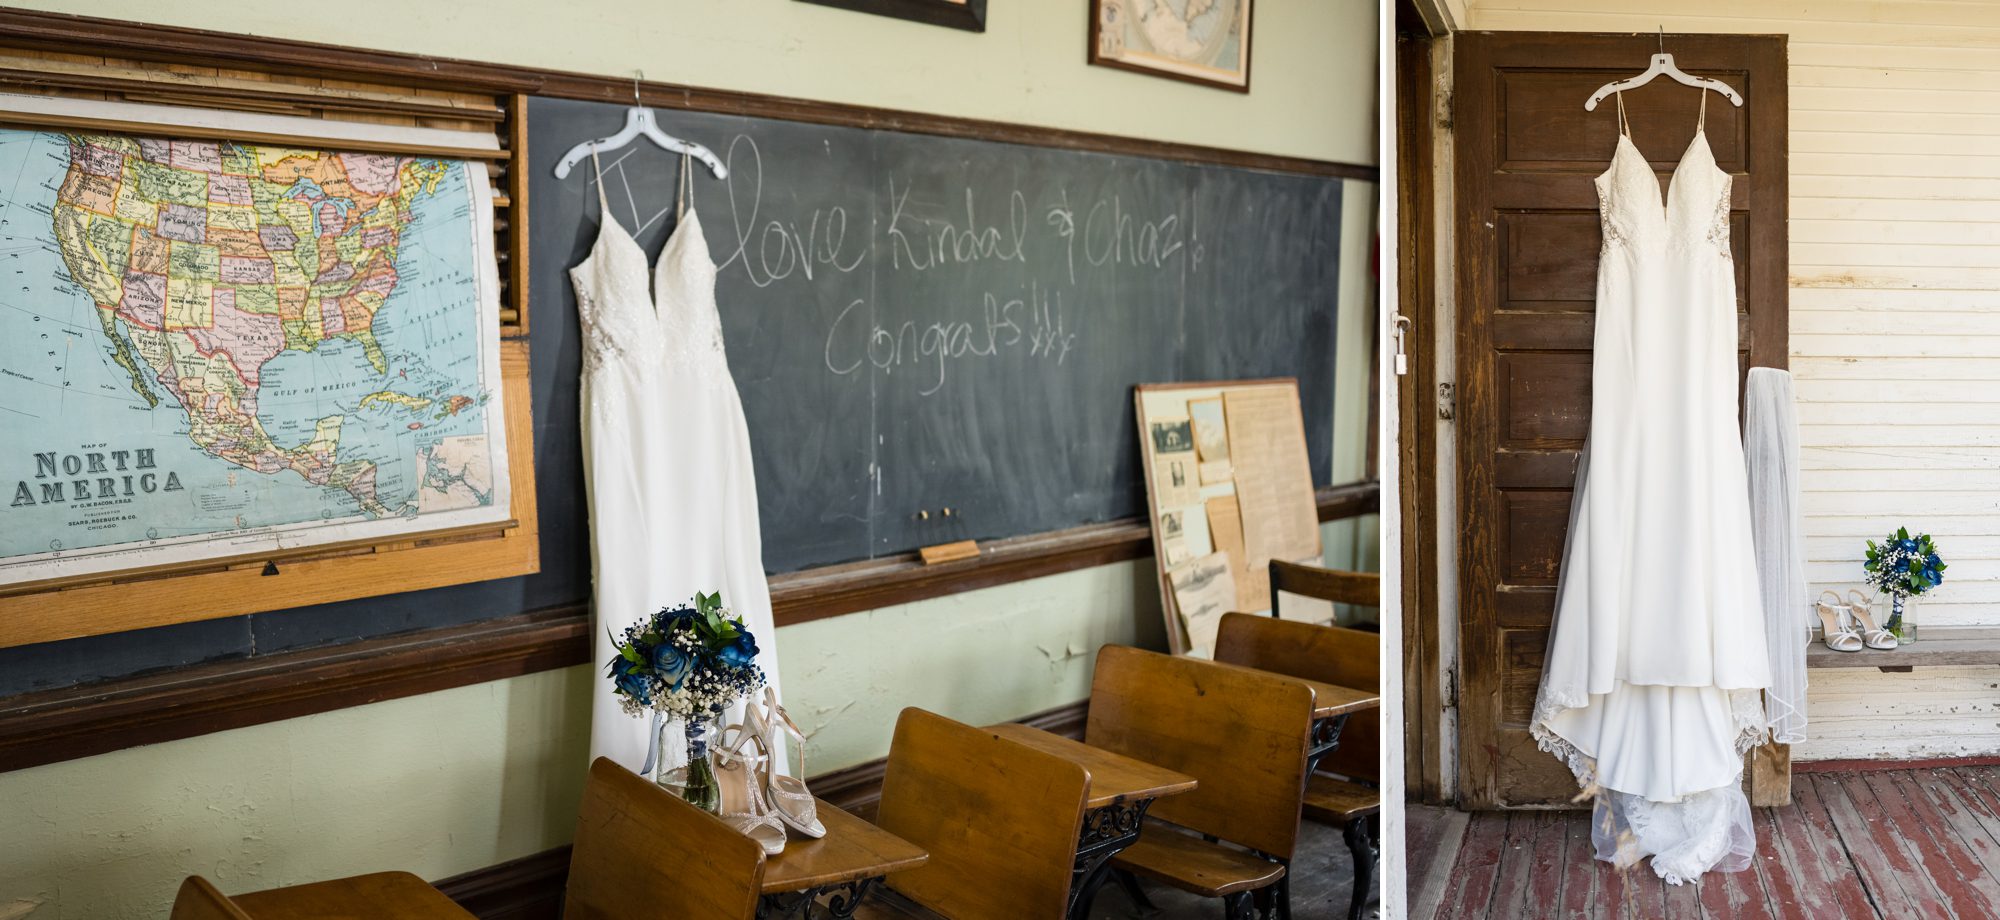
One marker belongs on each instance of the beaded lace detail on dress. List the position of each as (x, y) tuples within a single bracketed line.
[(666, 314), (1718, 229)]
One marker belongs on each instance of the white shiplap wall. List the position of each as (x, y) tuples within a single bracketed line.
[(1895, 346)]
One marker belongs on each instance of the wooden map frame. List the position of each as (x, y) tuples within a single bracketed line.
[(136, 598)]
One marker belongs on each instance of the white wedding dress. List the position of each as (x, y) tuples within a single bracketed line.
[(666, 458), (1650, 692)]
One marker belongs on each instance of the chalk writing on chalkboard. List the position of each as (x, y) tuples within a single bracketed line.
[(1011, 318), (917, 322)]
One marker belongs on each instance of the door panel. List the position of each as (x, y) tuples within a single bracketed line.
[(1528, 238)]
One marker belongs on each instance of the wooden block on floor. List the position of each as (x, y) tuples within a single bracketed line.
[(1770, 772)]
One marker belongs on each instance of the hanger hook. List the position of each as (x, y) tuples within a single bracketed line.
[(1663, 38), (637, 75)]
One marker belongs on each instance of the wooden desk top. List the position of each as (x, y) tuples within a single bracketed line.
[(383, 894), (1114, 778), (852, 849), (1329, 700)]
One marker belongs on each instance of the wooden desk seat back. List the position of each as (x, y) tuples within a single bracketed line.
[(199, 900), (1361, 589), (1331, 654), (643, 852), (1361, 742), (999, 819), (1242, 735)]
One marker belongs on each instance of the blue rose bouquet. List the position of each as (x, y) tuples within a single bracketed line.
[(687, 664), (1903, 566)]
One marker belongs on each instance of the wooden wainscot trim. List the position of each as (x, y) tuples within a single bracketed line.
[(67, 723), (831, 591), (59, 725)]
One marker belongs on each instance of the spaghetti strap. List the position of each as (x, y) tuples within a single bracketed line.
[(603, 203), (1701, 121), (683, 189), (1624, 127)]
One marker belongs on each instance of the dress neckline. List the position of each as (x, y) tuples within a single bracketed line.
[(1666, 198), (653, 267)]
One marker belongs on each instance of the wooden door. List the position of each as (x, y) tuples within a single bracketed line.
[(1528, 238)]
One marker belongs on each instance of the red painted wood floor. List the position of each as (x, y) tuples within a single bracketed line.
[(1921, 843)]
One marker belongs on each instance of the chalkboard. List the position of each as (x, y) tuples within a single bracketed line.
[(1180, 272), (919, 323)]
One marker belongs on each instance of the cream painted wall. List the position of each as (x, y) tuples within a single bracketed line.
[(1312, 61), (453, 781), (435, 784), (1354, 545), (981, 657), (1895, 322)]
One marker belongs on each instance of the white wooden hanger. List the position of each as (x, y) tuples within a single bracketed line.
[(1663, 65), (639, 122)]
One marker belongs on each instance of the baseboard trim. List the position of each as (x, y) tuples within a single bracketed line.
[(531, 887)]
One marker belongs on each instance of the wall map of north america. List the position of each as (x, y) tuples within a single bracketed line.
[(210, 348)]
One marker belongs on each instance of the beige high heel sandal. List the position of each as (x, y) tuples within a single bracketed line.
[(737, 768), (1860, 604), (789, 796), (1835, 630)]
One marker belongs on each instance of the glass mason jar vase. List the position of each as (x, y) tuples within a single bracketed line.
[(694, 780), (1900, 617)]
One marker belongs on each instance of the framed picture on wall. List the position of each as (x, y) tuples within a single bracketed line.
[(1200, 41), (969, 15)]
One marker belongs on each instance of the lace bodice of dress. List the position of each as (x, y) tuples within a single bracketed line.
[(1696, 207), (671, 321)]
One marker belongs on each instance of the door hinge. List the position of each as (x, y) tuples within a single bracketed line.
[(1447, 401)]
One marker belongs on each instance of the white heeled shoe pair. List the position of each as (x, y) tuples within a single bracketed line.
[(1848, 627), (757, 800)]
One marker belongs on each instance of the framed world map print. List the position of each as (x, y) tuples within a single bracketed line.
[(215, 349), (1200, 41)]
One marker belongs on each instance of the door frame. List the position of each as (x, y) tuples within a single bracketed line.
[(1417, 42)]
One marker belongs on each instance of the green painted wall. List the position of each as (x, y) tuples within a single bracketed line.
[(453, 781), (435, 784), (1312, 66)]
